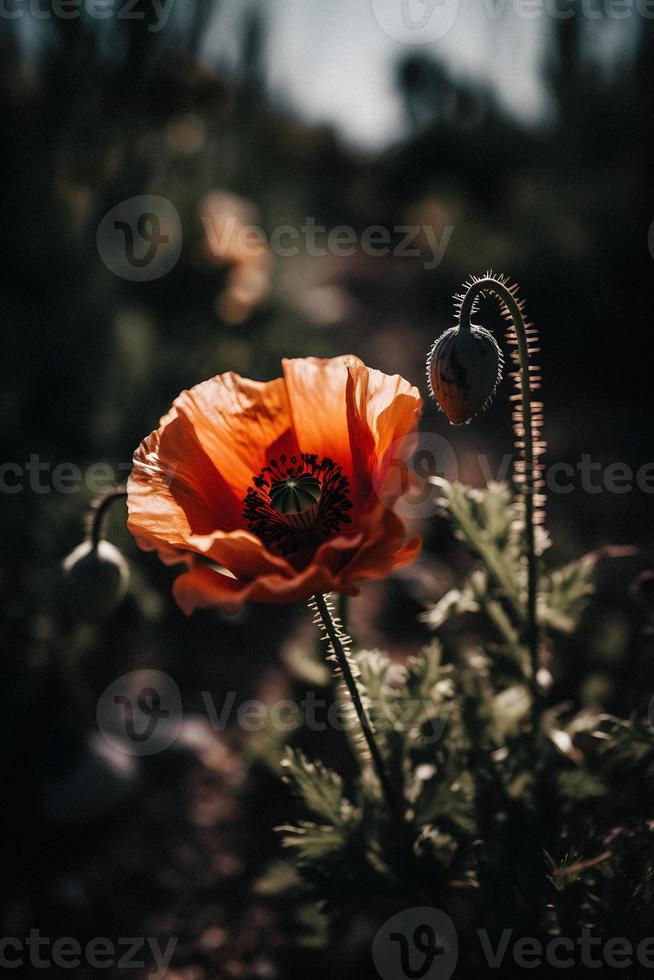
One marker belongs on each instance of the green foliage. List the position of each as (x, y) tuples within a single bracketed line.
[(519, 811), (565, 594), (305, 665), (319, 787), (486, 521)]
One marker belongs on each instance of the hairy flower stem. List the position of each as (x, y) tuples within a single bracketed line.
[(336, 640), (99, 510), (490, 285)]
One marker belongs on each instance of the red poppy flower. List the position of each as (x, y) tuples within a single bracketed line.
[(275, 491)]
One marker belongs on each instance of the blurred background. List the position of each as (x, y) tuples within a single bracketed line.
[(470, 136)]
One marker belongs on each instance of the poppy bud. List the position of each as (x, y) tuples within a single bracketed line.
[(95, 579), (464, 368)]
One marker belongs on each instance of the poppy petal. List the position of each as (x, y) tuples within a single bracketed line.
[(178, 503), (382, 411), (240, 425), (317, 399), (174, 489), (383, 548), (204, 588)]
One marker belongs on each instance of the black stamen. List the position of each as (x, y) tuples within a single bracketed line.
[(296, 507)]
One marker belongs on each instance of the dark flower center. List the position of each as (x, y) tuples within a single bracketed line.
[(297, 502)]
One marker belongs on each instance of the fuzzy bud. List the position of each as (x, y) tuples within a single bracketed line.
[(95, 579), (464, 368)]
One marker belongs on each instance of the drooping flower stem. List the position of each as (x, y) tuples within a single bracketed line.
[(99, 510), (339, 641), (526, 423)]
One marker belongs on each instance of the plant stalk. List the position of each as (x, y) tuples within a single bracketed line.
[(99, 511), (335, 638), (488, 284)]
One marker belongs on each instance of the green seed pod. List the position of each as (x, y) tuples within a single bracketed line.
[(464, 368), (295, 495), (297, 499), (95, 580)]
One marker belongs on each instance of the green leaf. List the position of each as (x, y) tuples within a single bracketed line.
[(454, 603), (307, 666), (448, 799), (312, 841), (485, 520), (565, 594), (319, 787), (580, 784), (278, 878), (510, 708)]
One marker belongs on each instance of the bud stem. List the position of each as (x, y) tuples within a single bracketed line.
[(490, 285), (99, 510)]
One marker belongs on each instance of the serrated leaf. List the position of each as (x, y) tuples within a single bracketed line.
[(510, 708), (450, 799), (312, 841), (319, 787), (565, 594), (278, 878), (454, 603), (485, 520)]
